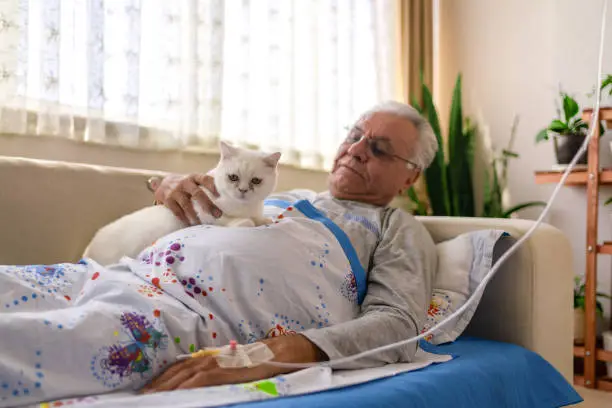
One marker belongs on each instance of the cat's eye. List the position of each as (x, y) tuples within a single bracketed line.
[(232, 177), (256, 180)]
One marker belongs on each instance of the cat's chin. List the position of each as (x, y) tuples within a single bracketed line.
[(246, 200)]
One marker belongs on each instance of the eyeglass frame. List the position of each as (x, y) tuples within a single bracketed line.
[(369, 143)]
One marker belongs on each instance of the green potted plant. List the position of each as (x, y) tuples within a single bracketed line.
[(579, 300), (448, 180), (496, 182), (607, 82), (568, 131)]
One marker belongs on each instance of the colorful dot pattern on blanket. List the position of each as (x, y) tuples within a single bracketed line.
[(199, 287), (44, 280), (133, 355), (24, 386)]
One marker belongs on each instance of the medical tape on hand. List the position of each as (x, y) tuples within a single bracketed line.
[(235, 355)]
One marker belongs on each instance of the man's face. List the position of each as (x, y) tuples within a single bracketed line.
[(368, 167)]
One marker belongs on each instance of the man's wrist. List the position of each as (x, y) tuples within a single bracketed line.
[(295, 348)]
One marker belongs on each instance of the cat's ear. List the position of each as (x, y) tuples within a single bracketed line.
[(227, 150), (272, 159)]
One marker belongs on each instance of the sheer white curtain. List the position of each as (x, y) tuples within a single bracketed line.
[(272, 74)]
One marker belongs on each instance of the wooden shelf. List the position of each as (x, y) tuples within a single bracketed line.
[(590, 177), (604, 114), (576, 177), (605, 248), (603, 383), (602, 355)]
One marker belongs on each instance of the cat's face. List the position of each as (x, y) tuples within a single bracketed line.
[(246, 175)]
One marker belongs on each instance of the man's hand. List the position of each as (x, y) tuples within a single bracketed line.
[(204, 371), (177, 192)]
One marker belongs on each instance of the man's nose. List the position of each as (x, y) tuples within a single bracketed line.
[(359, 150)]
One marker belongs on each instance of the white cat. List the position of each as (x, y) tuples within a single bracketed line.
[(243, 178)]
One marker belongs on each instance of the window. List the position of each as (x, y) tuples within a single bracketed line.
[(272, 74)]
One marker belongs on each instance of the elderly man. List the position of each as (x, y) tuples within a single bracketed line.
[(74, 329), (382, 155)]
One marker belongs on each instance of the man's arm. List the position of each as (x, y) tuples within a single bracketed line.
[(394, 309), (205, 372)]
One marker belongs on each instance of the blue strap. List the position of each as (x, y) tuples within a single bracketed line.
[(306, 208), (277, 203), (360, 276)]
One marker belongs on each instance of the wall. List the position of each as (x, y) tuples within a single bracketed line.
[(52, 148), (513, 55)]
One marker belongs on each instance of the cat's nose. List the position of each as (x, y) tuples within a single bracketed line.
[(243, 191)]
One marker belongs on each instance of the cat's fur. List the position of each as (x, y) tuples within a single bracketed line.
[(243, 178)]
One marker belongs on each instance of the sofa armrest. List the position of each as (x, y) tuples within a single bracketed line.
[(50, 210), (529, 301)]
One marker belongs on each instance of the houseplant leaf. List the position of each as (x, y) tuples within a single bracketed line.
[(570, 107), (451, 193), (581, 290), (542, 135), (470, 135), (496, 193), (522, 206), (415, 104), (607, 82), (599, 308), (460, 175), (557, 126), (486, 199), (508, 153), (492, 193), (578, 125), (435, 174)]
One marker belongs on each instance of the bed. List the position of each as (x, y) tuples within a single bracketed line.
[(484, 373), (516, 351)]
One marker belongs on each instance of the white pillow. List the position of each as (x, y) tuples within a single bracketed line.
[(463, 262)]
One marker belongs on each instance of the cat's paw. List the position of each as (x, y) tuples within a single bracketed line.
[(263, 221)]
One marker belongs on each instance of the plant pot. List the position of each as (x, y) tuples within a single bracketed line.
[(566, 147), (579, 324)]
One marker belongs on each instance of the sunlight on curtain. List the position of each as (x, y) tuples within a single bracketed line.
[(271, 74)]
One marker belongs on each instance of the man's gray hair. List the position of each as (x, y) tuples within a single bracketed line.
[(427, 143)]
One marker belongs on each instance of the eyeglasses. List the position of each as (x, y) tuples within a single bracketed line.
[(379, 147)]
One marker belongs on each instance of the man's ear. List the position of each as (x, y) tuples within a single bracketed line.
[(410, 180)]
